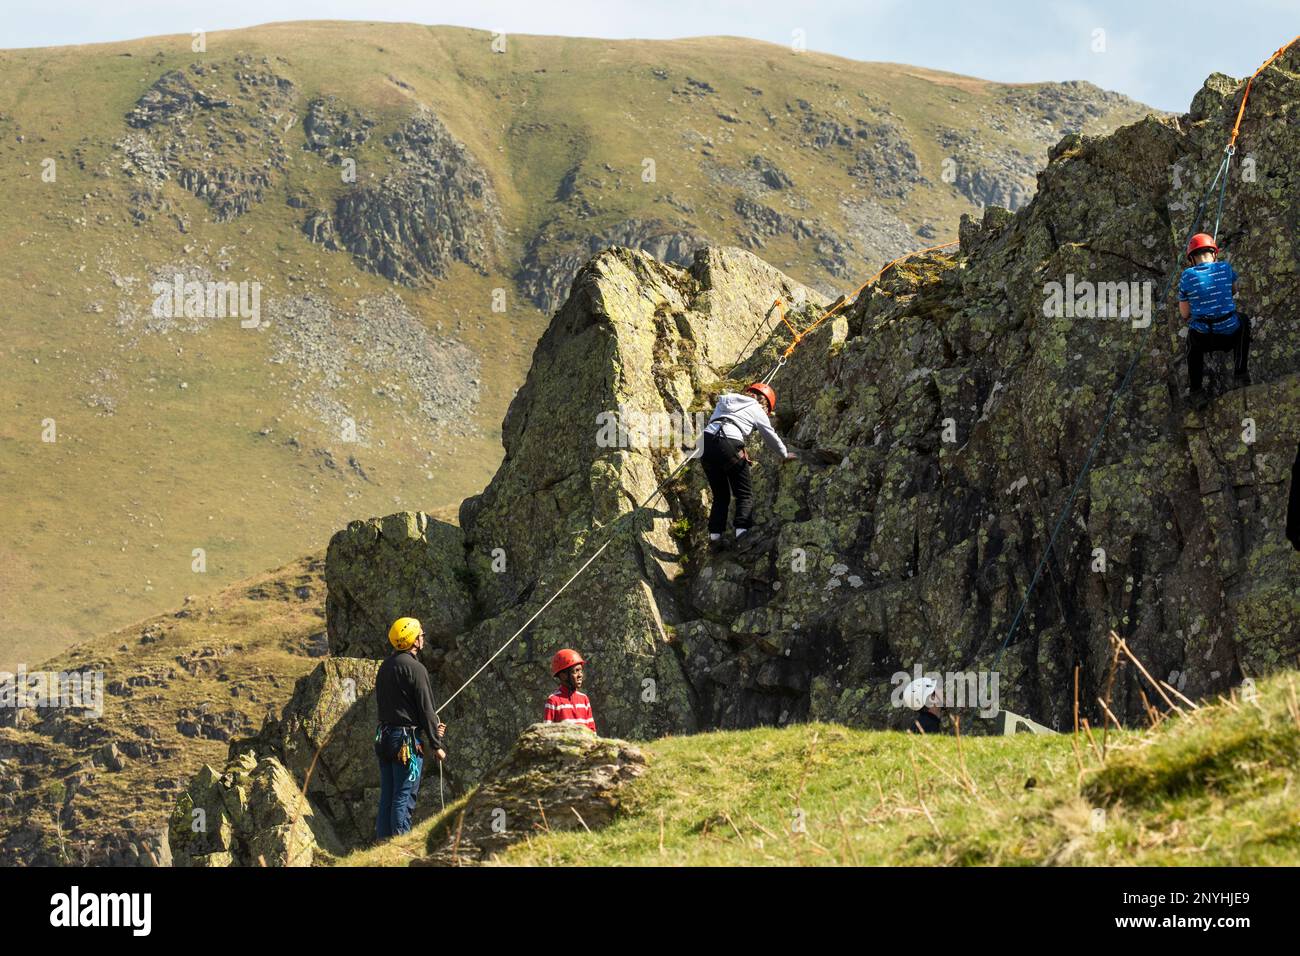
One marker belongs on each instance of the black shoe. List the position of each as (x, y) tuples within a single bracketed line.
[(1241, 381), (1198, 399), (717, 547)]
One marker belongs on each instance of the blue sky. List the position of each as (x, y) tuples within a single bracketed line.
[(1158, 53)]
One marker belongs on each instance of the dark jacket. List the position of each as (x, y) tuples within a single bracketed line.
[(924, 722), (405, 698)]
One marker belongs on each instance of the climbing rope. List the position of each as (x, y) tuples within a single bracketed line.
[(852, 297), (1245, 95), (767, 379), (762, 326), (797, 338), (1221, 181), (1223, 171), (576, 574), (784, 320)]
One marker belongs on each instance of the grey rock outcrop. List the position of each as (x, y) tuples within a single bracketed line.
[(250, 814), (217, 129), (435, 207), (557, 777), (554, 256), (404, 565)]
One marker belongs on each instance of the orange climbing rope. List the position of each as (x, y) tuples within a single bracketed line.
[(800, 336), (1241, 110), (780, 303)]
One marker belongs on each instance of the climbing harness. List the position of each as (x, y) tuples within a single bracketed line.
[(407, 754), (1221, 182)]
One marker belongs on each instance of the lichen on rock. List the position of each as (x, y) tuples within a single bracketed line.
[(942, 421), (557, 777)]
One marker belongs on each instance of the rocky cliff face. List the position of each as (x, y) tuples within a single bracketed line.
[(218, 129), (635, 335), (941, 420), (437, 206)]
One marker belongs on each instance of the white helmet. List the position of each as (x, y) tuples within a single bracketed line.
[(919, 693)]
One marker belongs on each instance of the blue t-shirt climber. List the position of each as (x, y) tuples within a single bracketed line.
[(1207, 288), (1205, 301)]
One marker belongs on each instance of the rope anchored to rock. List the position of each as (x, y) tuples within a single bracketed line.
[(563, 587), (798, 337), (1221, 182)]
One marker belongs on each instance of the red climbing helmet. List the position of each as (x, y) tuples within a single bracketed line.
[(564, 659), (1200, 242), (762, 388)]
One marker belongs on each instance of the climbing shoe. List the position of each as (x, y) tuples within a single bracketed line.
[(1198, 399), (1241, 381), (717, 545)]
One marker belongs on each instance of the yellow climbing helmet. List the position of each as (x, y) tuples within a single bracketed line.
[(404, 633)]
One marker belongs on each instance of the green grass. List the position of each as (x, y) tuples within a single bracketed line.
[(1216, 787)]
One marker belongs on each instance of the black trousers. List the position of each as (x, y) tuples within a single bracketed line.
[(1198, 343), (728, 475)]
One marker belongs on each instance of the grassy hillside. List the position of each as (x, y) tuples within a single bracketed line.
[(171, 437), (1213, 788), (177, 688)]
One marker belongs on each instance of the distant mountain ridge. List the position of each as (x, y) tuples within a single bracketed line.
[(411, 206)]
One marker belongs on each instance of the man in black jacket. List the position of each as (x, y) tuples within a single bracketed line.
[(405, 710)]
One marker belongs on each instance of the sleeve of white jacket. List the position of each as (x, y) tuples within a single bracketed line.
[(764, 425)]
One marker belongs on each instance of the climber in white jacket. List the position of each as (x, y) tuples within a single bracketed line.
[(726, 464)]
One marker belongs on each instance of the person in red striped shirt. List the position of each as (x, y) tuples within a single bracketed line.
[(569, 705)]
